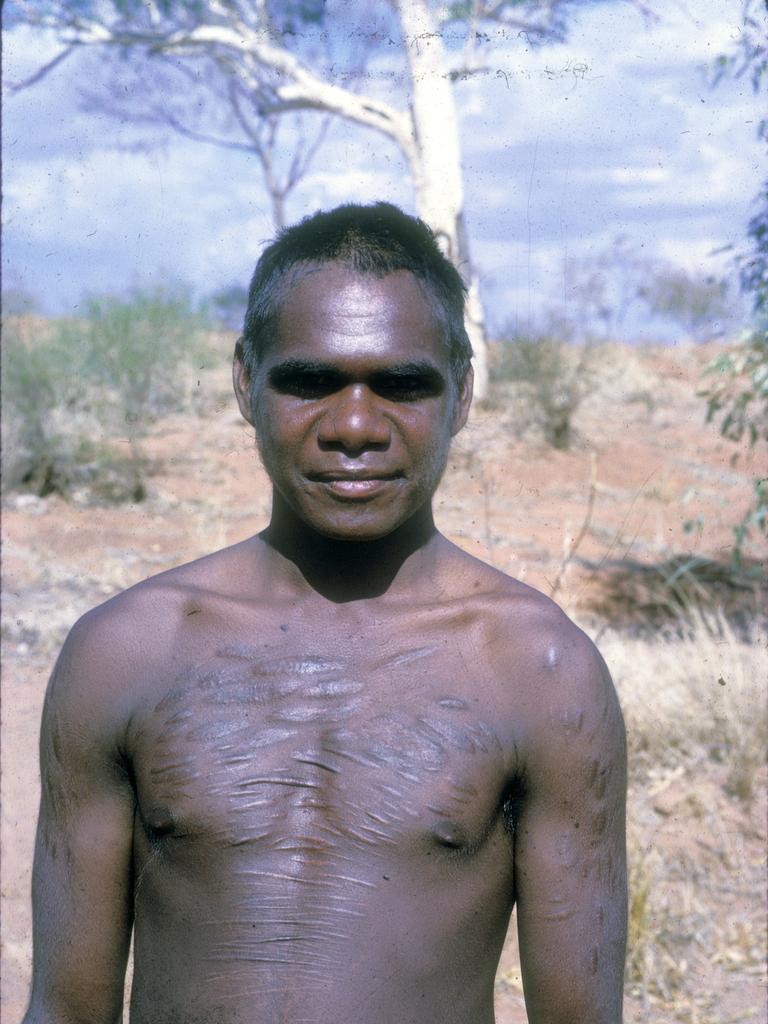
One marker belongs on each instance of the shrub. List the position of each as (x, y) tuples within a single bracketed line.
[(75, 385), (39, 379), (737, 393), (700, 303), (138, 348), (137, 354), (552, 377)]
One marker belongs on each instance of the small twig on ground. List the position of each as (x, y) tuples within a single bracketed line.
[(584, 526), (617, 535), (488, 488)]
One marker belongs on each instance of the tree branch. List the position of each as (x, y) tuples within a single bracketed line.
[(213, 140), (304, 89), (301, 87), (304, 157), (44, 70), (245, 126), (542, 21)]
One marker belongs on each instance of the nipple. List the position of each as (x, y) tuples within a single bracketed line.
[(447, 833), (157, 823)]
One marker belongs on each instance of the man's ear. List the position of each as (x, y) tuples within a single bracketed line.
[(241, 382), (463, 402)]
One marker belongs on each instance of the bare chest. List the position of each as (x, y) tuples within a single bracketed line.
[(301, 757)]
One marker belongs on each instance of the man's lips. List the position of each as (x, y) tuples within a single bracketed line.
[(355, 484)]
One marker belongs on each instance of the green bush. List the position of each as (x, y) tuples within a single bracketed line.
[(39, 381), (737, 395), (551, 377), (700, 303), (73, 386), (138, 349)]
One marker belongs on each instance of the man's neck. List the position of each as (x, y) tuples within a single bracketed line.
[(344, 570)]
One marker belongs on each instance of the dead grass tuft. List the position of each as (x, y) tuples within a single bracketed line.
[(694, 695), (694, 702)]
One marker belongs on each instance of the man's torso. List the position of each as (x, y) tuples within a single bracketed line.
[(323, 826)]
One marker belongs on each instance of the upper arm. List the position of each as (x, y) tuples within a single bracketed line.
[(81, 886), (570, 855)]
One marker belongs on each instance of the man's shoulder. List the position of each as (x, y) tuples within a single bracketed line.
[(142, 623), (121, 648), (553, 682), (518, 610), (534, 642)]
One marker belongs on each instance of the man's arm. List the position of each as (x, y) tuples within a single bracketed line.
[(570, 851), (81, 886)]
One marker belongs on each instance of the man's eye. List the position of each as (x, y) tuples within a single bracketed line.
[(316, 385), (407, 389)]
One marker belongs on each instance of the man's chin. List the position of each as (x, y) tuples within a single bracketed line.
[(356, 522), (354, 529), (352, 516)]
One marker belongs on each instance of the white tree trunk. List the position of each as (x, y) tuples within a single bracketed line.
[(435, 161)]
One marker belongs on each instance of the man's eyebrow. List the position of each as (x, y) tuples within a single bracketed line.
[(302, 367), (422, 369), (309, 367)]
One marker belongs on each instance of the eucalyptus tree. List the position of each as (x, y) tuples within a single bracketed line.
[(389, 67)]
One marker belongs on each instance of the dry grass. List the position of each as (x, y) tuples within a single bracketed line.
[(694, 700), (694, 695)]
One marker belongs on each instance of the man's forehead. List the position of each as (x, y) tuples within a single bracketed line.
[(327, 284), (336, 307)]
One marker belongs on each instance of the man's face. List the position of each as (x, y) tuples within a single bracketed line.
[(353, 403)]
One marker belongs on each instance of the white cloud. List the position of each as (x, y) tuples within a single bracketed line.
[(614, 132), (695, 255)]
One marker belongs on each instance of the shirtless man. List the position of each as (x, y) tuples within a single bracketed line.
[(316, 770)]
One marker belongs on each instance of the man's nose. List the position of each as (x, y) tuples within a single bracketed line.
[(354, 423)]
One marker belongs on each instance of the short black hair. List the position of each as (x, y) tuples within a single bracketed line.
[(378, 239)]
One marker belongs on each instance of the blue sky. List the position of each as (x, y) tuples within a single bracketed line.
[(613, 133)]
